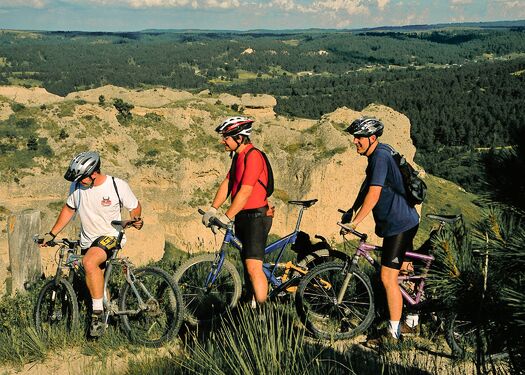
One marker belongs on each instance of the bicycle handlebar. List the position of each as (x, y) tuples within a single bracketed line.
[(362, 236), (65, 241), (213, 220)]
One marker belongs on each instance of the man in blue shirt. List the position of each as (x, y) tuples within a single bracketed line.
[(383, 193)]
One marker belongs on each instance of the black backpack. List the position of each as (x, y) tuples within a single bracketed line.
[(268, 188), (415, 187)]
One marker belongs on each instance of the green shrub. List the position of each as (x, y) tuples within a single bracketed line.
[(17, 107)]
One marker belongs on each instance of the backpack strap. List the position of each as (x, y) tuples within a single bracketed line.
[(233, 169), (397, 159), (116, 191)]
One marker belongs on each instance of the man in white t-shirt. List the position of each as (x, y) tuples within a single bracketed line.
[(97, 199)]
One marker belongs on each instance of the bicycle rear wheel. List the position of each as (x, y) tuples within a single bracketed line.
[(56, 308), (204, 301), (161, 317), (318, 257), (316, 302)]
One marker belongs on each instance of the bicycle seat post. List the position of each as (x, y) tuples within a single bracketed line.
[(299, 218)]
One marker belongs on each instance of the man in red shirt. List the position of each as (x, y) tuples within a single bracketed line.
[(247, 182)]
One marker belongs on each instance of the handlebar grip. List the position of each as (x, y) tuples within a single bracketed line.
[(216, 222), (341, 211), (201, 211)]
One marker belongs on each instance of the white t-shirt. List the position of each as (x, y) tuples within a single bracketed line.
[(97, 206)]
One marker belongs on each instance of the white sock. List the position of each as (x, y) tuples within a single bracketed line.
[(393, 328), (412, 320), (97, 304)]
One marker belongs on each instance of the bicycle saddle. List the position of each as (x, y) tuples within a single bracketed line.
[(445, 218), (309, 203)]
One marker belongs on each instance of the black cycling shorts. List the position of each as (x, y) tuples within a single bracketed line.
[(252, 227), (106, 243), (395, 247)]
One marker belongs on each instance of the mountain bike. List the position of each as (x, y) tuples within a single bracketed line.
[(336, 300), (210, 283), (149, 302)]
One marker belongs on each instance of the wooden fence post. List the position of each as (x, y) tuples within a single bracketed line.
[(24, 255)]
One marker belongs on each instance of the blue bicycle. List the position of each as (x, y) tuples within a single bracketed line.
[(210, 283)]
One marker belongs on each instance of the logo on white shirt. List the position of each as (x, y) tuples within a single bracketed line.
[(106, 201)]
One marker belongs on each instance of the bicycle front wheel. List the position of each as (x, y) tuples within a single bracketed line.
[(153, 306), (208, 292), (56, 308), (318, 307)]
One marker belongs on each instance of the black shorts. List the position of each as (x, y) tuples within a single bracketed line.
[(106, 243), (395, 247), (252, 227)]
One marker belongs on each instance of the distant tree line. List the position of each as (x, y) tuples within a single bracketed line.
[(461, 89), (452, 111)]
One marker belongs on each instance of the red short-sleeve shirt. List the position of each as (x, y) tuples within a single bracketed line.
[(255, 170)]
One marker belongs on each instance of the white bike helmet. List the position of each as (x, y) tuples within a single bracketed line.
[(366, 127), (82, 166), (238, 125)]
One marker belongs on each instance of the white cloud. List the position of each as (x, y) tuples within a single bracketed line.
[(461, 2), (506, 9), (24, 3), (351, 7), (381, 4), (284, 4), (139, 4)]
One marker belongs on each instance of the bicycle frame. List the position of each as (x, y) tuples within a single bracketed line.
[(364, 250), (268, 268)]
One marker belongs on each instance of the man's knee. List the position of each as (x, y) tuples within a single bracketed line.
[(93, 259), (389, 277)]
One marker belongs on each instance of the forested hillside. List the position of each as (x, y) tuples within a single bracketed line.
[(461, 88)]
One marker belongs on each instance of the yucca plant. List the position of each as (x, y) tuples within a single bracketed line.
[(455, 279), (500, 236)]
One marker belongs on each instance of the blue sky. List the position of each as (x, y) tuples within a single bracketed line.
[(131, 15)]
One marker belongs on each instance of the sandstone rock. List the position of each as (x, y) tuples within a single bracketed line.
[(258, 101), (34, 96), (152, 98), (310, 158), (229, 100)]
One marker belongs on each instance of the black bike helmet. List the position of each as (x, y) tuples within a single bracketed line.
[(82, 166), (366, 127)]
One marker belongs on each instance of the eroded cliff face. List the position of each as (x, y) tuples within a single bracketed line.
[(172, 159)]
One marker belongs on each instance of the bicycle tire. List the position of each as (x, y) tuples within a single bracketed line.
[(162, 318), (317, 257), (317, 307), (461, 337), (56, 308), (205, 304)]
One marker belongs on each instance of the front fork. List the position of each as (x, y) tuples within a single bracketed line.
[(349, 273)]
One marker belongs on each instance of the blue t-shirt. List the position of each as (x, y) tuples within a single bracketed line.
[(392, 213)]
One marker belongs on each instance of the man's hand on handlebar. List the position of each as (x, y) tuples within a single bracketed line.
[(347, 216), (138, 223), (206, 216), (220, 220), (47, 240)]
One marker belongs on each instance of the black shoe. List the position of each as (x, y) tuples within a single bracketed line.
[(97, 323)]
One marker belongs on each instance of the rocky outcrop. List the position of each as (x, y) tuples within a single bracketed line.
[(170, 155)]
